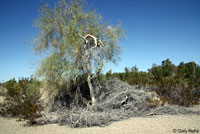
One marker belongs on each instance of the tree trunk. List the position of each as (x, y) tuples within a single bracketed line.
[(93, 100), (89, 78), (88, 54)]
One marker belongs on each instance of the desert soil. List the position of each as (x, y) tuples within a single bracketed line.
[(160, 124)]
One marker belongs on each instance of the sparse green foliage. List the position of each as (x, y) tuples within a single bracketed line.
[(63, 35), (2, 90), (60, 30)]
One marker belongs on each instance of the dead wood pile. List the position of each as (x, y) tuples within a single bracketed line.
[(116, 101)]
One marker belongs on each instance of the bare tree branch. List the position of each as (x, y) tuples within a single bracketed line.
[(88, 53), (121, 93)]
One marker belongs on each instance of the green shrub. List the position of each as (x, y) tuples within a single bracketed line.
[(22, 99)]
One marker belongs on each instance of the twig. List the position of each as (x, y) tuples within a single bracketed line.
[(153, 113), (81, 114), (71, 119), (115, 96), (124, 101)]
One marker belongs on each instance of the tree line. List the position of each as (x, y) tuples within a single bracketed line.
[(177, 84)]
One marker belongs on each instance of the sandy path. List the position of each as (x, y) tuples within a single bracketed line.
[(164, 124)]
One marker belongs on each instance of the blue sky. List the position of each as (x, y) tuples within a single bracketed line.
[(155, 30)]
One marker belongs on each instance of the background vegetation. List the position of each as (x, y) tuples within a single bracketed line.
[(175, 84)]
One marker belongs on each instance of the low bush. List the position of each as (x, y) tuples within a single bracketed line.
[(22, 100)]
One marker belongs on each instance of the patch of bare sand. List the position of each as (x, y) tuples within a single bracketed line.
[(163, 124), (1, 99)]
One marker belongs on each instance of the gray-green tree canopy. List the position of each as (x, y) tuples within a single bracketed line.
[(64, 31)]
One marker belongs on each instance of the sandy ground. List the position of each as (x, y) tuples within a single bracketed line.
[(163, 124)]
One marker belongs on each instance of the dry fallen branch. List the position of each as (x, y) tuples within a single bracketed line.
[(124, 101), (153, 112), (78, 119), (101, 115), (115, 96)]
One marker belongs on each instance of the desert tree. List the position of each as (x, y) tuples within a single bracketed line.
[(76, 41)]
